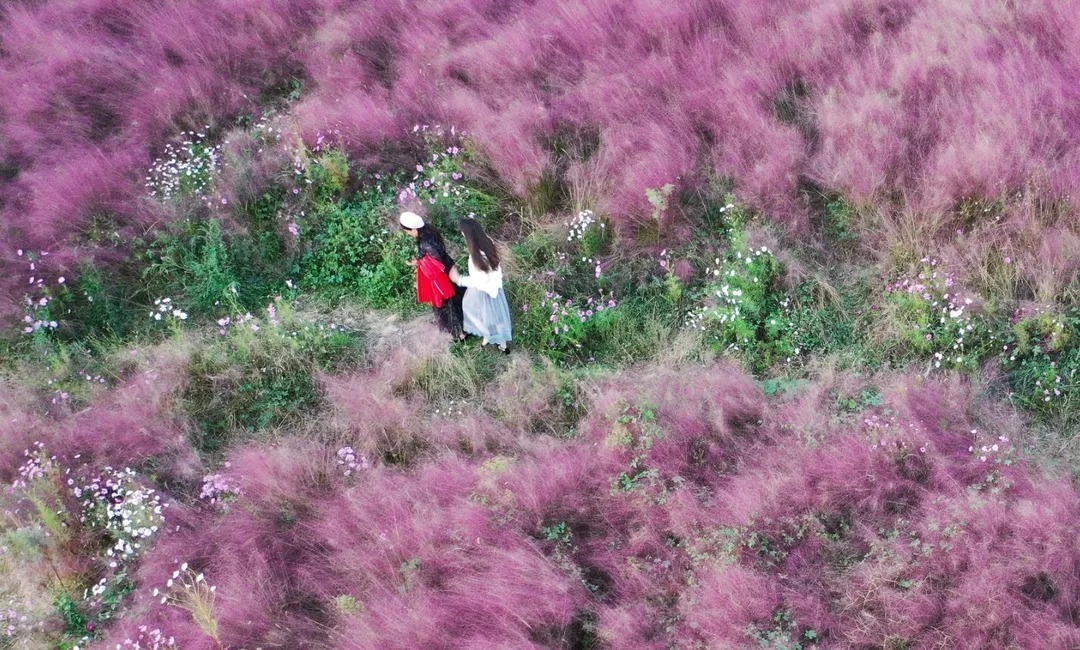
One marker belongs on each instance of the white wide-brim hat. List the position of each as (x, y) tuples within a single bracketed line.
[(411, 220)]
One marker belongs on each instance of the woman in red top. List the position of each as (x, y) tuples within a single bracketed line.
[(433, 284)]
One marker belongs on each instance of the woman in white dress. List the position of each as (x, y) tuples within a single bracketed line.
[(486, 311)]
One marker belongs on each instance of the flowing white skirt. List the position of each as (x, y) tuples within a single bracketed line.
[(487, 317)]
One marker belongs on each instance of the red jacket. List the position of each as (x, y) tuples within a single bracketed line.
[(433, 286)]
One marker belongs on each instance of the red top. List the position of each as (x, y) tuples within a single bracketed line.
[(433, 286)]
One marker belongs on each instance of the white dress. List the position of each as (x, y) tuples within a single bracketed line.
[(487, 313)]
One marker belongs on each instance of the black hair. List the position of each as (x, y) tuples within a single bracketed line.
[(481, 249)]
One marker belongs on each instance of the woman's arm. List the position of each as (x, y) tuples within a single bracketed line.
[(464, 280)]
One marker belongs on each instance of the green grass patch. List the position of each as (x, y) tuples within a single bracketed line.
[(260, 374)]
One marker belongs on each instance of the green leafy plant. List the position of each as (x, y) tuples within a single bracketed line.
[(934, 320), (782, 633), (1042, 356), (743, 311), (260, 372), (636, 429)]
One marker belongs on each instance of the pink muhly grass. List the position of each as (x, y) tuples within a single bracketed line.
[(857, 103), (710, 520), (726, 602), (133, 425), (436, 568), (20, 427), (376, 423)]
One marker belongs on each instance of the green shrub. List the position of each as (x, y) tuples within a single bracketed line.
[(1042, 356), (390, 283), (209, 272), (932, 320), (744, 310), (260, 373), (343, 238)]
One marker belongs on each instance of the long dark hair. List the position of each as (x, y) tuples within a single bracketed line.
[(481, 249), (430, 242), (428, 230)]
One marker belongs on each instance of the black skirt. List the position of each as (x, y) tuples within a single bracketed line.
[(450, 317)]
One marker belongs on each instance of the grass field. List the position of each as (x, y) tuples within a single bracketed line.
[(796, 350)]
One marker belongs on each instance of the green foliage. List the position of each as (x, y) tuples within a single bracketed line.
[(780, 385), (260, 374), (867, 398), (326, 174), (840, 219), (193, 263), (1042, 357), (637, 476), (209, 272), (782, 633), (932, 320), (390, 283), (559, 532), (563, 539), (74, 620), (636, 429), (744, 311), (835, 321), (349, 249)]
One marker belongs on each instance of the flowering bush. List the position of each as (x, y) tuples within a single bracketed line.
[(570, 324), (114, 502), (743, 310), (220, 490), (39, 320), (352, 463), (587, 232), (936, 318), (1042, 355), (164, 309), (563, 300), (99, 520), (439, 182), (322, 170), (185, 169)]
